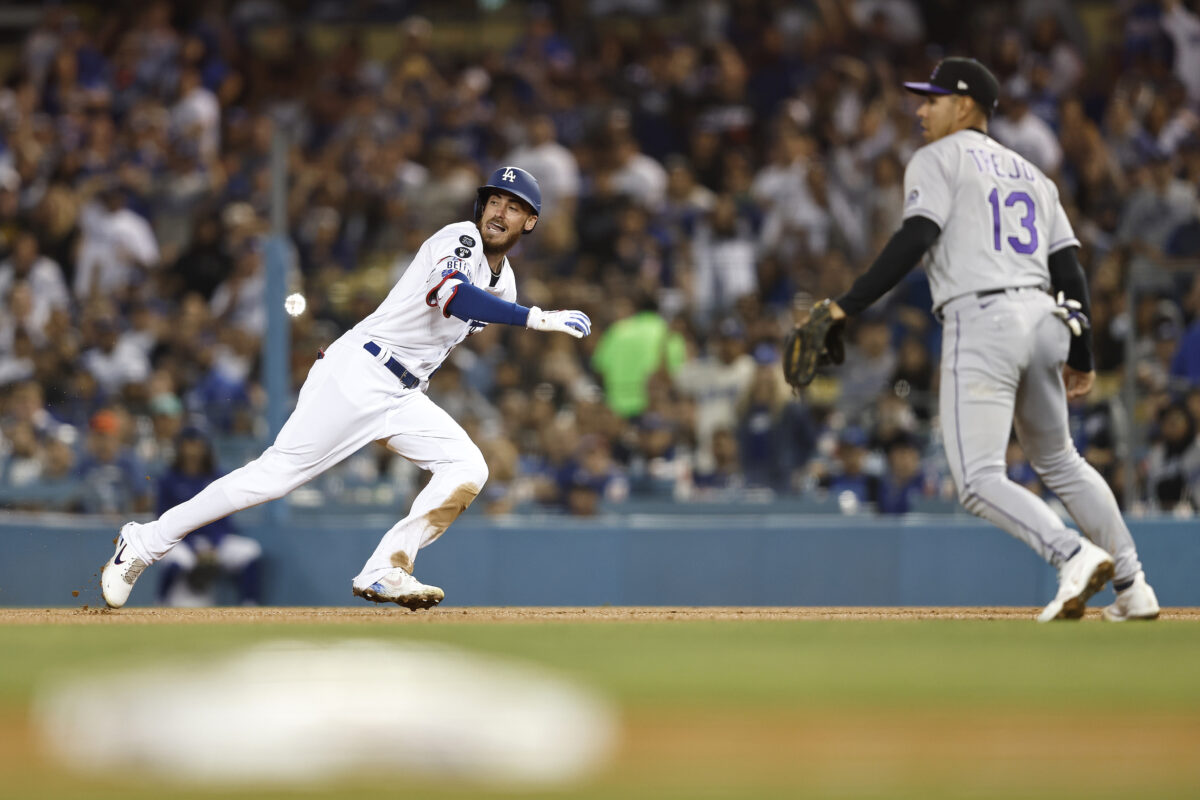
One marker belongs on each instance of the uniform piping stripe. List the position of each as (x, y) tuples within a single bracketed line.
[(1045, 544), (962, 461)]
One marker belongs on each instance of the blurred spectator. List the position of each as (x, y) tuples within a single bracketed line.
[(1026, 133), (903, 485), (1160, 324), (1185, 364), (635, 347), (659, 465), (1172, 466), (193, 566), (723, 251), (554, 165), (760, 412), (1158, 205), (117, 247), (1182, 24), (116, 483), (723, 473), (43, 276), (593, 478), (637, 175), (716, 382), (196, 117), (240, 299), (116, 359), (870, 363), (850, 480), (21, 465)]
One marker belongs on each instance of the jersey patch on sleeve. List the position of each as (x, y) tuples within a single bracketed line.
[(466, 240), (462, 252), (447, 274), (913, 198)]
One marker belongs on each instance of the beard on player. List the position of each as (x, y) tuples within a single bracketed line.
[(502, 223)]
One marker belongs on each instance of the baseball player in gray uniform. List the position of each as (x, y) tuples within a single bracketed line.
[(1016, 343), (370, 386)]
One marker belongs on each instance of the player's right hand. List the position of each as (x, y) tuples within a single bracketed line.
[(573, 323), (1077, 383)]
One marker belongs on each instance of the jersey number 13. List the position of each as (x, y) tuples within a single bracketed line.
[(1027, 221)]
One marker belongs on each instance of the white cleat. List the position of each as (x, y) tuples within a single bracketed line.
[(118, 575), (1136, 601), (1080, 577), (401, 588)]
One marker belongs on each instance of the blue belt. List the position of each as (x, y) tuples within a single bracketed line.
[(409, 380)]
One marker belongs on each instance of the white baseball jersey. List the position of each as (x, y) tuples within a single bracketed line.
[(412, 322), (1000, 216)]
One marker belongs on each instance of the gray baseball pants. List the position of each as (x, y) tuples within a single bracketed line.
[(1002, 360)]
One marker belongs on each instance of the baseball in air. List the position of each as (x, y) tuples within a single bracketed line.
[(295, 304)]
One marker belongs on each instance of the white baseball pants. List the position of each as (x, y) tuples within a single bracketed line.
[(348, 400), (1002, 359)]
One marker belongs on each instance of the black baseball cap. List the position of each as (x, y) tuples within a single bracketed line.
[(961, 76)]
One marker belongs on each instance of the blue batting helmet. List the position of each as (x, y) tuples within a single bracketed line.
[(514, 181)]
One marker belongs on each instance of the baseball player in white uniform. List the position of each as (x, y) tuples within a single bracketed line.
[(370, 386), (1005, 278)]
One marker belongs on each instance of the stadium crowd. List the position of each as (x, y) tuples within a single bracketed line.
[(708, 170)]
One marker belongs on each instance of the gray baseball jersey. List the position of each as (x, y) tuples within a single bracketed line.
[(1000, 216), (1003, 348)]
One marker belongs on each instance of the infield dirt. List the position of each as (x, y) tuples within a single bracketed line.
[(391, 614)]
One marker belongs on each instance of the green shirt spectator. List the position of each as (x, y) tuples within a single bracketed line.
[(631, 351)]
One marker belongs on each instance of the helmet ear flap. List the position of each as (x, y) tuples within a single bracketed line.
[(479, 203)]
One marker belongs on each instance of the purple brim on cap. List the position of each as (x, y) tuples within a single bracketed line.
[(926, 88)]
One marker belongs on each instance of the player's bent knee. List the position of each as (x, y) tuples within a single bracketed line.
[(473, 470)]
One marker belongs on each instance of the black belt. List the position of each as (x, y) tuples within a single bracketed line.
[(989, 292), (409, 380)]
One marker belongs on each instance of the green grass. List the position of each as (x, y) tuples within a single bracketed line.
[(774, 670), (860, 663)]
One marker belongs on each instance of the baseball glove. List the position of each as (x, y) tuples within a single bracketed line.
[(815, 343)]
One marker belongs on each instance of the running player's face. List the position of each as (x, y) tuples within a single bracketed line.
[(938, 114), (503, 221)]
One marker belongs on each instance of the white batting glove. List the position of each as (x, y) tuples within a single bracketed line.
[(1071, 313), (574, 323)]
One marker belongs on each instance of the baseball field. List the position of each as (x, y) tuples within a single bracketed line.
[(708, 703)]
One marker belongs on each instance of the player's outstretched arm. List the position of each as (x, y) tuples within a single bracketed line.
[(468, 302)]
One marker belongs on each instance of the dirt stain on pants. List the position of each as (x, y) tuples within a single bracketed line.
[(439, 519)]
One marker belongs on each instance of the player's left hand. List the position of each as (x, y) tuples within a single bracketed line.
[(1078, 383), (573, 323), (1071, 313)]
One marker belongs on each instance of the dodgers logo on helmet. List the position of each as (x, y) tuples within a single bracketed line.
[(515, 181)]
